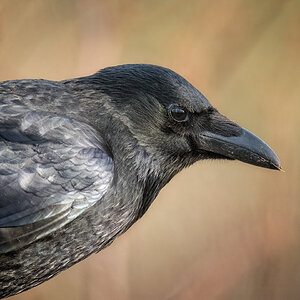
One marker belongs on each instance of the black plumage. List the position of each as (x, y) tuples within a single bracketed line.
[(82, 159)]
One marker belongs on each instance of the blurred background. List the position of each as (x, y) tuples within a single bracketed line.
[(219, 230)]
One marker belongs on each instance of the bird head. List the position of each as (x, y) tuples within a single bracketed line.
[(166, 114)]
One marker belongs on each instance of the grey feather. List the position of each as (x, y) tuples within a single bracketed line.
[(59, 170)]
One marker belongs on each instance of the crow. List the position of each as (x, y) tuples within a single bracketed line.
[(81, 160)]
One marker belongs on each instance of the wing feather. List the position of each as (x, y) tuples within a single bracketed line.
[(52, 169)]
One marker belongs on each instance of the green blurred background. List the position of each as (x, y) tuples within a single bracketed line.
[(219, 230)]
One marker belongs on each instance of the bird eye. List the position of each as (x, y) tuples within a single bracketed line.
[(178, 113)]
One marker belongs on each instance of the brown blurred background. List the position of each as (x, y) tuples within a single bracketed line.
[(219, 230)]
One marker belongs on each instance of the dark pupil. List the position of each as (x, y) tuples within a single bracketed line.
[(179, 114)]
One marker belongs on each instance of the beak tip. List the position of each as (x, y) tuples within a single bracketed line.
[(266, 157), (274, 161), (276, 165)]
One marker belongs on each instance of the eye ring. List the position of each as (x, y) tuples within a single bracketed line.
[(178, 113)]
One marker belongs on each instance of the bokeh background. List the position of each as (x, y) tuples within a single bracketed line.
[(219, 230)]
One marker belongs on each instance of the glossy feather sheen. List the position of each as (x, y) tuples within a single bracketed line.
[(54, 169)]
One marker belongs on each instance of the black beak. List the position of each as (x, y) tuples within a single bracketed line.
[(245, 147)]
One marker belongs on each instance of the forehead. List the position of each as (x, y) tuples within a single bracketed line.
[(174, 89), (191, 98)]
